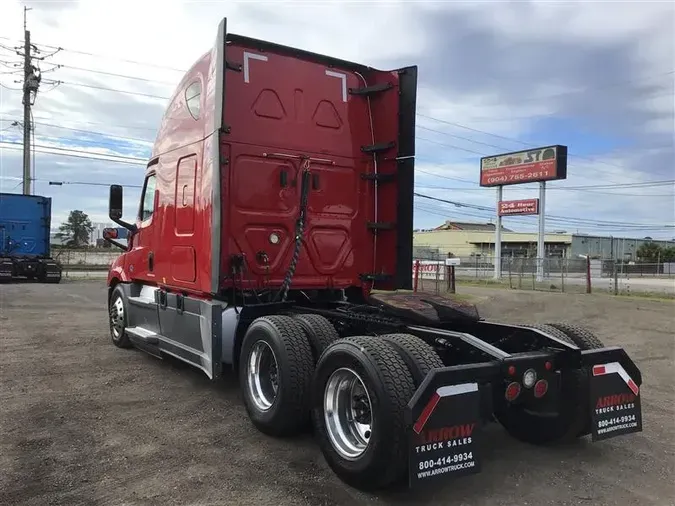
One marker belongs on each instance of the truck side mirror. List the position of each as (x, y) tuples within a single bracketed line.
[(115, 206), (116, 202)]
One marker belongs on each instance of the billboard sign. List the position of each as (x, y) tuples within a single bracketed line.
[(540, 164), (431, 269), (510, 207)]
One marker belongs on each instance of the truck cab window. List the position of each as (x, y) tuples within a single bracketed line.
[(193, 95), (148, 197)]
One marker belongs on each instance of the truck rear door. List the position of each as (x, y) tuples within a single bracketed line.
[(285, 108)]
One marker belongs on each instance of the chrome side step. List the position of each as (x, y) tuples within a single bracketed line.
[(143, 335)]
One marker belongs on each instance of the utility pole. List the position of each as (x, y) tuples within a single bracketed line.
[(31, 83), (26, 113)]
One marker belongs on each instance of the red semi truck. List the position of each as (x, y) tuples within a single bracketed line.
[(274, 236)]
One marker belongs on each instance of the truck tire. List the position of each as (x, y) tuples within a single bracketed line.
[(579, 335), (585, 340), (364, 375), (550, 329), (117, 312), (419, 357), (6, 270), (320, 332), (569, 419), (275, 372)]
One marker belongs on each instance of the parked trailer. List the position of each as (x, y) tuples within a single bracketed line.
[(274, 236), (25, 222)]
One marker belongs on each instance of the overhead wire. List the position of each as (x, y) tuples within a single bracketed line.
[(112, 74), (165, 98), (149, 95), (552, 217), (82, 183), (71, 155), (109, 57), (449, 214), (75, 150)]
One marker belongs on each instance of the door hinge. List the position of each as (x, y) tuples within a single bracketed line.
[(378, 148), (380, 225), (379, 177), (371, 90)]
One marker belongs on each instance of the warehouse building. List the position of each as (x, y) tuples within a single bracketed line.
[(477, 240)]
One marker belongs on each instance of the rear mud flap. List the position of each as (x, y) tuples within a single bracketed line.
[(615, 402), (446, 414), (445, 420), (445, 438)]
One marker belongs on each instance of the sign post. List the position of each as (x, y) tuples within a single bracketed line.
[(541, 246), (548, 163), (498, 236)]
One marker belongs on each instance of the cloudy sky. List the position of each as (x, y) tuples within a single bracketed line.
[(494, 77)]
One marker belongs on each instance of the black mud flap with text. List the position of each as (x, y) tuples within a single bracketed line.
[(444, 440), (615, 402)]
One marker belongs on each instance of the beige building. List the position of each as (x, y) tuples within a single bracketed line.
[(467, 240)]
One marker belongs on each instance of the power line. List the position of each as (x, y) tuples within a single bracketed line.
[(91, 132), (448, 214), (75, 150), (129, 127), (79, 183), (103, 88), (99, 55), (644, 184), (482, 153), (510, 139), (572, 188), (113, 74), (76, 156), (549, 216)]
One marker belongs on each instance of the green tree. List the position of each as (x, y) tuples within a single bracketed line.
[(668, 254), (649, 252), (75, 231)]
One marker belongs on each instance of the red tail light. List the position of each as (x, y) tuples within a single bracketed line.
[(512, 391), (540, 388)]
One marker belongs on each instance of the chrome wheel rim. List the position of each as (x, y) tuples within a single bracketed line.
[(117, 318), (348, 413), (263, 376)]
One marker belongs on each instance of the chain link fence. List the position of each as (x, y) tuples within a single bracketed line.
[(82, 259), (570, 275)]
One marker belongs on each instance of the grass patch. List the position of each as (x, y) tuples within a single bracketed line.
[(659, 296), (550, 288)]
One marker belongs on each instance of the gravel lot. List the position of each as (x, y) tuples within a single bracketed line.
[(83, 422)]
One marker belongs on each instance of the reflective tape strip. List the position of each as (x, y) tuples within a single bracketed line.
[(616, 368), (444, 391)]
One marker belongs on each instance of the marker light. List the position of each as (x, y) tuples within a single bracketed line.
[(274, 238), (512, 370), (512, 391), (540, 388), (529, 378), (548, 365)]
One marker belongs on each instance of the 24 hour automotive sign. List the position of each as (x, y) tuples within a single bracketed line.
[(540, 164), (511, 207)]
